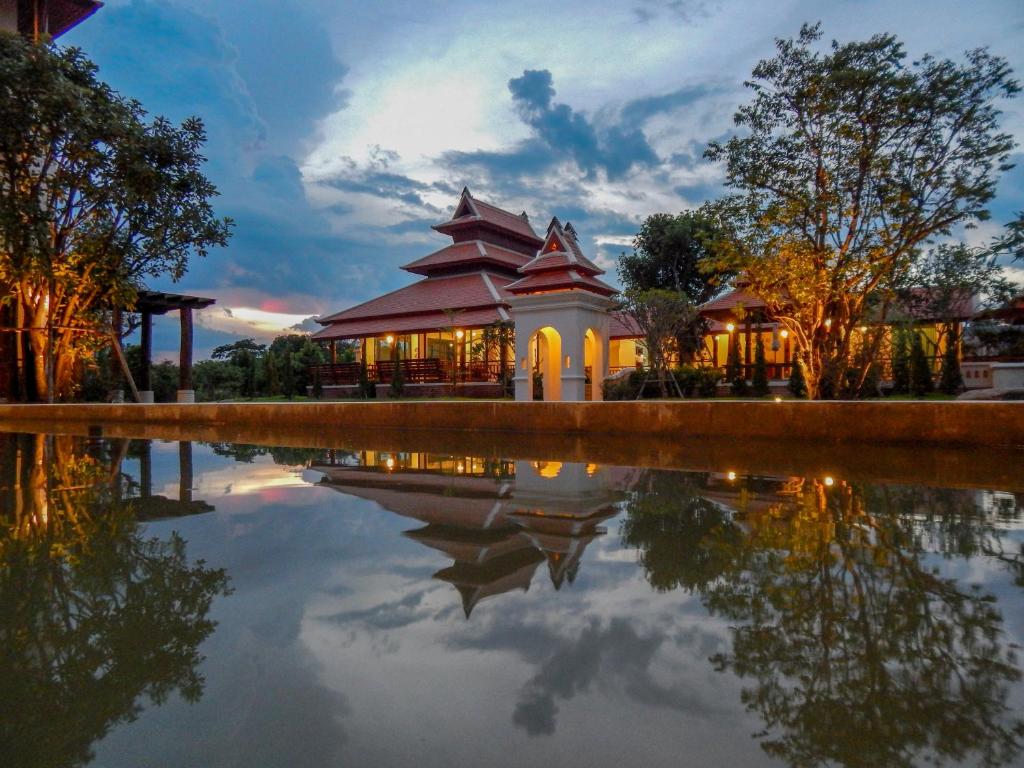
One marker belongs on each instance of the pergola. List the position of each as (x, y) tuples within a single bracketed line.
[(151, 303)]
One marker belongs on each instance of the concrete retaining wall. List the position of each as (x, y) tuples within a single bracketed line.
[(999, 424)]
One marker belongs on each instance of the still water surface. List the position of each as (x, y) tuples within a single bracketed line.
[(197, 604)]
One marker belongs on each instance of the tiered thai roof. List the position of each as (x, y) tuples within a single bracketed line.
[(465, 281), (560, 265)]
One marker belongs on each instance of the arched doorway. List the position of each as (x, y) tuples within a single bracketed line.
[(593, 363), (545, 363)]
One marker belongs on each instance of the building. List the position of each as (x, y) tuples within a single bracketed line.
[(453, 329), (38, 18), (502, 309)]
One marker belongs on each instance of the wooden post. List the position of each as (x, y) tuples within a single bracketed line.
[(185, 393), (334, 352), (185, 471), (116, 378), (146, 342), (146, 469)]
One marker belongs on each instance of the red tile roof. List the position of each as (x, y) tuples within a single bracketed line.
[(552, 280), (729, 301), (62, 15), (472, 211), (425, 322), (465, 253), (622, 325), (433, 294)]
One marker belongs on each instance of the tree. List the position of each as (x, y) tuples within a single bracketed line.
[(921, 382), (850, 160), (661, 316), (759, 379), (900, 362), (94, 199), (797, 385), (671, 252), (734, 373), (951, 380)]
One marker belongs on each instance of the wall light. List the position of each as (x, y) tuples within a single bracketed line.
[(829, 481), (459, 334), (731, 475), (828, 322), (522, 363), (784, 333), (568, 361), (730, 327), (389, 339)]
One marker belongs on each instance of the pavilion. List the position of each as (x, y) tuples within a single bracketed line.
[(454, 328)]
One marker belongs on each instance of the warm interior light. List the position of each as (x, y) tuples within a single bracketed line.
[(778, 399), (390, 463), (731, 475), (522, 363), (784, 333), (863, 329), (459, 334), (461, 467), (828, 322), (389, 339)]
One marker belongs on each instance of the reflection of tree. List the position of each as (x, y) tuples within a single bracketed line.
[(92, 615), (246, 454), (860, 653), (671, 524)]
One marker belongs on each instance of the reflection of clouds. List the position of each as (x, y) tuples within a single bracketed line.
[(616, 655), (241, 479)]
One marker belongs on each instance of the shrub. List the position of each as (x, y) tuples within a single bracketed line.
[(951, 380), (706, 382), (797, 385), (900, 363), (759, 379), (397, 381), (921, 382)]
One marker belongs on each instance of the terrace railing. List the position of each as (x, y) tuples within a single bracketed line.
[(427, 370)]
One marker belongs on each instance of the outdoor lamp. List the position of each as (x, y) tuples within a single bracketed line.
[(828, 322), (730, 327), (459, 334), (828, 480), (731, 475), (389, 339), (784, 333)]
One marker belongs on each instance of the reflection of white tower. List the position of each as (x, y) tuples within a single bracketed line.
[(559, 506)]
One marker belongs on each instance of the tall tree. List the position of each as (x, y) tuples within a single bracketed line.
[(661, 316), (850, 160), (94, 198), (671, 252)]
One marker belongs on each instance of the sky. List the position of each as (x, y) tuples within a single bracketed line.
[(338, 132)]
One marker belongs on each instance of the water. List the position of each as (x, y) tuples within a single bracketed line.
[(213, 604)]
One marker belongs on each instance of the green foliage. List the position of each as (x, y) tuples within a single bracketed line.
[(734, 373), (318, 385), (707, 382), (900, 362), (847, 161), (217, 380), (797, 385), (759, 379), (397, 381), (288, 382), (367, 389), (662, 316), (921, 381), (670, 252), (125, 199), (951, 380)]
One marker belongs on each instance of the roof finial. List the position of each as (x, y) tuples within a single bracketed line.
[(465, 192), (555, 224), (523, 216), (570, 231)]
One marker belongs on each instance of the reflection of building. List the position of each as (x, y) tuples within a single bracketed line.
[(496, 520)]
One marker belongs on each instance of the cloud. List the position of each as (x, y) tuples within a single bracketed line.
[(615, 149)]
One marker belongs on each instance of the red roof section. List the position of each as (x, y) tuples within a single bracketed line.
[(433, 294), (729, 301), (425, 322), (472, 211), (62, 15), (473, 252), (622, 325), (554, 280)]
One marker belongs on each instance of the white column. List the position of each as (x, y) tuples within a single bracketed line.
[(523, 379), (574, 378)]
